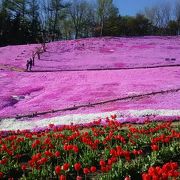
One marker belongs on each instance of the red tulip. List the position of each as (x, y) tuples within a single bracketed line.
[(164, 176), (51, 126), (62, 177), (79, 178), (42, 161), (1, 175), (102, 163), (97, 141), (158, 170), (135, 152), (114, 116), (24, 167), (58, 169), (174, 165), (113, 152), (110, 162), (69, 147), (57, 154), (75, 149), (3, 161), (114, 159), (36, 143), (93, 169), (77, 166), (146, 177), (127, 178), (108, 168), (155, 147), (155, 177), (103, 168), (10, 178), (86, 170), (65, 147), (47, 141), (66, 166), (170, 174), (151, 171), (48, 153), (140, 152)]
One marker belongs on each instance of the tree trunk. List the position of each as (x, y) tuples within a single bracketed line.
[(76, 33), (102, 27)]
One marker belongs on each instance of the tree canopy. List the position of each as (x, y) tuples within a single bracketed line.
[(32, 21)]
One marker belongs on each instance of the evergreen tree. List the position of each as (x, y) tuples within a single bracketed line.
[(112, 24), (5, 24), (33, 15), (104, 8), (56, 8)]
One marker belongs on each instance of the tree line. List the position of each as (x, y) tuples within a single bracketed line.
[(33, 21)]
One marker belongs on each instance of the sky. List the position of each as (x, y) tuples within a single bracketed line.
[(132, 7)]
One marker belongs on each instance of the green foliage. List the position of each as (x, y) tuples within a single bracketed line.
[(122, 150)]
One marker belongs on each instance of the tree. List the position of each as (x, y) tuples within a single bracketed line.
[(166, 13), (1, 5), (142, 25), (104, 8), (80, 14), (15, 25), (67, 29), (5, 24), (172, 28), (18, 7), (177, 15), (89, 21), (52, 13), (112, 24), (56, 10), (33, 15), (159, 15)]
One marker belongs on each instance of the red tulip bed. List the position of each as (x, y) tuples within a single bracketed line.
[(111, 151)]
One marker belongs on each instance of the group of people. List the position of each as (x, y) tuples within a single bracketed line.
[(39, 50)]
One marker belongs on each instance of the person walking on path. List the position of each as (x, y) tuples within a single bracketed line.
[(44, 46), (33, 58), (27, 65), (30, 64), (38, 54)]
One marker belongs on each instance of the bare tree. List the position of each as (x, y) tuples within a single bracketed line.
[(67, 28), (103, 10), (33, 14), (51, 15), (166, 13), (1, 2), (56, 6), (45, 14), (33, 9), (150, 13), (17, 7), (159, 14), (79, 12), (177, 14)]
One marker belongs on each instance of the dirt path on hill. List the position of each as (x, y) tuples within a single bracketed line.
[(109, 69), (18, 69), (11, 68)]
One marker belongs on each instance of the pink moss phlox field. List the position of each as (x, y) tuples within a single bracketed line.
[(26, 93), (97, 53), (16, 56), (107, 53), (23, 93)]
